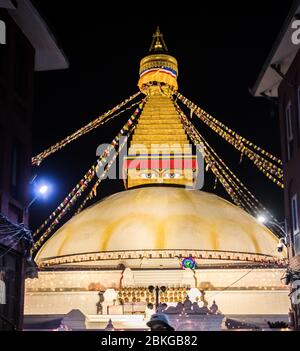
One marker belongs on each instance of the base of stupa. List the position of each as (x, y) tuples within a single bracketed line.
[(237, 291)]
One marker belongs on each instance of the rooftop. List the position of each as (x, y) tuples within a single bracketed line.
[(48, 55), (280, 58)]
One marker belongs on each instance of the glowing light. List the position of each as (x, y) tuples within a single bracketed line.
[(43, 189), (261, 219), (193, 294)]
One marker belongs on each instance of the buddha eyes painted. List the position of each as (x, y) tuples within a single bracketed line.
[(148, 175), (168, 175), (172, 175)]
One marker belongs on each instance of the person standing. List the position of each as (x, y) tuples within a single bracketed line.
[(159, 322)]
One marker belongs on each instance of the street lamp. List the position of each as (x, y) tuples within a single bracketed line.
[(40, 190), (283, 240), (263, 219), (43, 189)]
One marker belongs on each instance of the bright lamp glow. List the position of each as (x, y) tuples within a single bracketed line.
[(262, 219), (193, 294), (43, 189)]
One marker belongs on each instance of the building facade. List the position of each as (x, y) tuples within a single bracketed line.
[(15, 264), (27, 46), (280, 80), (289, 108), (16, 95)]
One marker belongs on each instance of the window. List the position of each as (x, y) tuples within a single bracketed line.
[(289, 131), (21, 67), (16, 181), (15, 214), (295, 214)]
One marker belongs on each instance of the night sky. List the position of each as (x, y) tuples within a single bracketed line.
[(220, 56)]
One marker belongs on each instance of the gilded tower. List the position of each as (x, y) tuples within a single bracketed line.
[(160, 151)]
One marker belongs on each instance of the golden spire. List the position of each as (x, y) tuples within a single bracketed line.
[(158, 43), (158, 67), (160, 152)]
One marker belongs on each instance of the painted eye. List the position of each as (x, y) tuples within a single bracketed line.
[(148, 175), (172, 175)]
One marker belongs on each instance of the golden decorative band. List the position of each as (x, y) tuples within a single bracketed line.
[(242, 257)]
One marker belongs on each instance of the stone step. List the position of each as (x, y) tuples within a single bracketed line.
[(160, 138), (150, 148), (156, 99), (151, 122), (180, 147), (158, 131), (159, 116), (163, 109), (159, 106), (160, 102), (159, 125), (156, 119), (161, 144)]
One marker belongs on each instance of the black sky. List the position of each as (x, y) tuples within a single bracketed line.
[(220, 56)]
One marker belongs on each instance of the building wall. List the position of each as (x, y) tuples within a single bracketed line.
[(259, 292), (16, 95), (207, 279), (289, 93), (12, 272), (230, 302)]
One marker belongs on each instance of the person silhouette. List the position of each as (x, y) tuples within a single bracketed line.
[(99, 303), (214, 309), (159, 322), (187, 304)]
